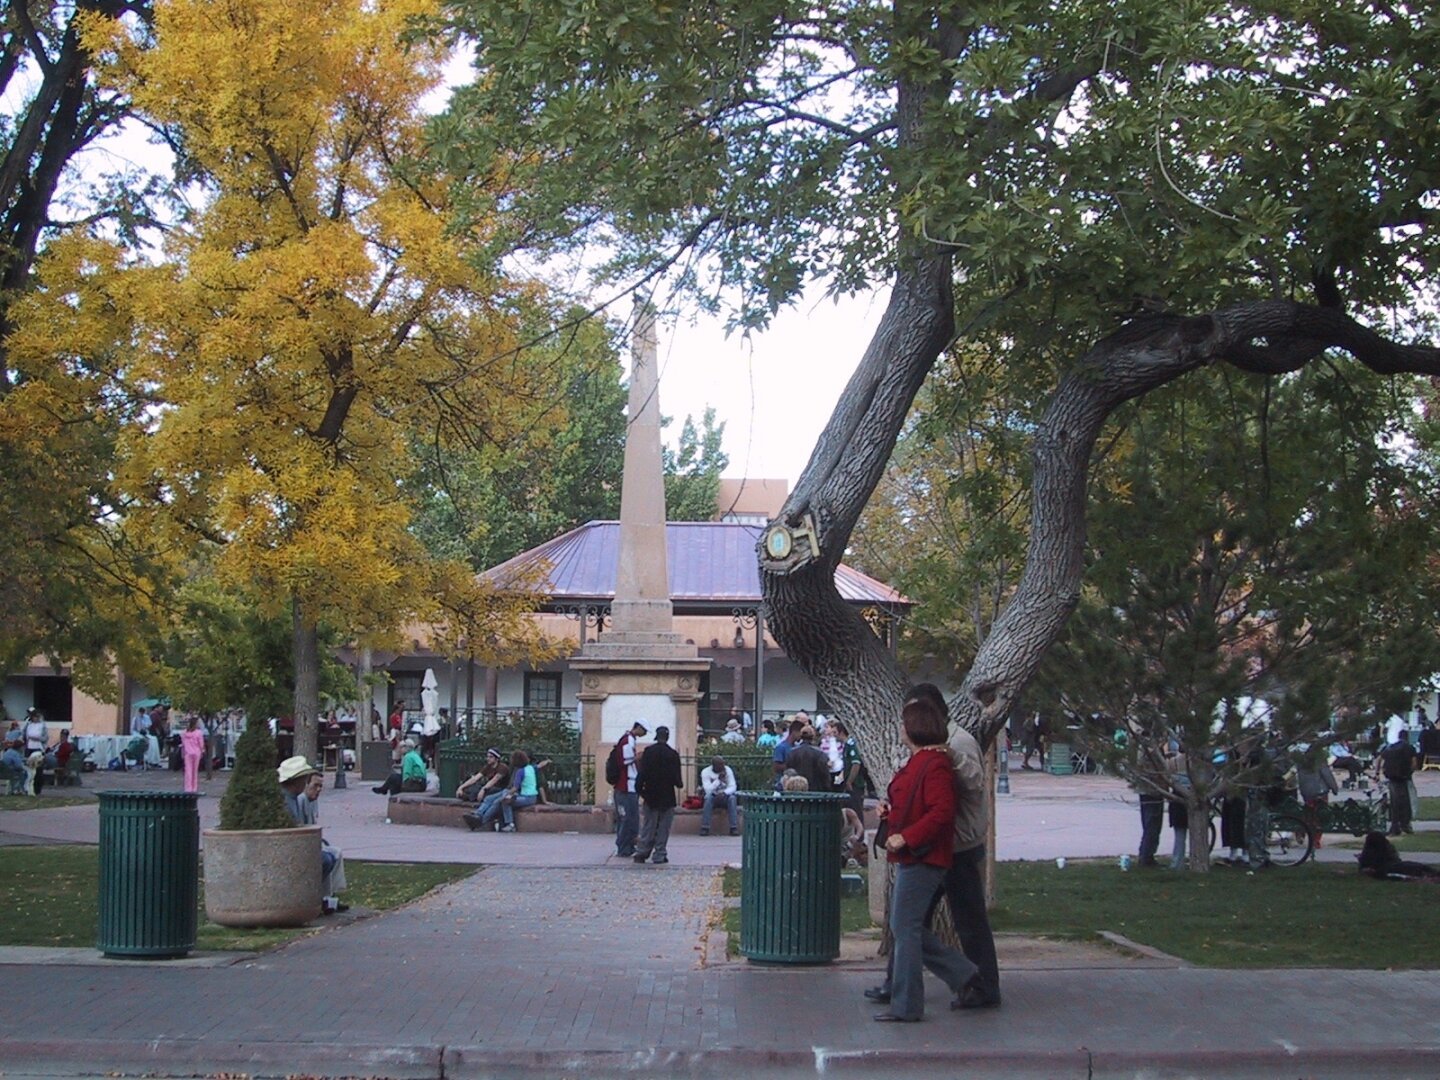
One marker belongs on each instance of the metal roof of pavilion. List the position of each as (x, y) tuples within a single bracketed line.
[(711, 564)]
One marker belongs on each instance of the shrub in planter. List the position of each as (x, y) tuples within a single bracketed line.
[(253, 799), (260, 869)]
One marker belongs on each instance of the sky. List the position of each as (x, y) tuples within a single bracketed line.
[(774, 390)]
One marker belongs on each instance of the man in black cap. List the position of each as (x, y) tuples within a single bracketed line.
[(627, 802), (657, 780)]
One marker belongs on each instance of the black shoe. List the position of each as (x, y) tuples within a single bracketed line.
[(878, 994), (639, 858), (704, 832), (378, 790), (734, 832), (658, 862), (340, 905), (891, 1018), (624, 854), (972, 997), (471, 822)]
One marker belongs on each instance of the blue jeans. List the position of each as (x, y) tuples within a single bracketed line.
[(916, 947), (627, 803), (489, 808), (728, 801), (507, 809), (1152, 817)]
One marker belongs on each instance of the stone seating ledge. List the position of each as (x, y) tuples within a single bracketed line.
[(416, 809)]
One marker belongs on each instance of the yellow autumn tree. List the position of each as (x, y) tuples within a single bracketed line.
[(309, 318)]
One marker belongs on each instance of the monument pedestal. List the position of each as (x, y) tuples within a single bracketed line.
[(616, 691)]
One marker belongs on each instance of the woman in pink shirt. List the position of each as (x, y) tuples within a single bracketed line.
[(192, 752)]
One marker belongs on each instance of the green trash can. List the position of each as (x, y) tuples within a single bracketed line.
[(149, 873), (457, 760), (790, 877)]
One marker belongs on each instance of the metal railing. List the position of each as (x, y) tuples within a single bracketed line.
[(568, 778), (753, 768)]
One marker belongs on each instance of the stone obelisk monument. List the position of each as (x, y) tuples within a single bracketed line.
[(640, 668)]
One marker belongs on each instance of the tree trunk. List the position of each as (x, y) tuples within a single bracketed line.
[(827, 638), (365, 699), (1198, 808), (306, 649)]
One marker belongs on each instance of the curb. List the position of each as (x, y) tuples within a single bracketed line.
[(197, 1057), (1120, 941), (185, 1058)]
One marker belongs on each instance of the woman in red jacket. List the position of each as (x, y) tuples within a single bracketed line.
[(921, 815)]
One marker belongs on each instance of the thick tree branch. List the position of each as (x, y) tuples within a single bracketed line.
[(1271, 337)]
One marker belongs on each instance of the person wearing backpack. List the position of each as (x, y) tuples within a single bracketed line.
[(1397, 762), (621, 765)]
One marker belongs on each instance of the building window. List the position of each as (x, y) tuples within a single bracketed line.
[(406, 686), (542, 690)]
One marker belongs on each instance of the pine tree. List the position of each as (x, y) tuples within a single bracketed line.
[(253, 800)]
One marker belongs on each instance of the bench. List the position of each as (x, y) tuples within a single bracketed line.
[(14, 779), (418, 809), (70, 775)]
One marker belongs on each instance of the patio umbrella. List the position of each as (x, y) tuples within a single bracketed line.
[(430, 702)]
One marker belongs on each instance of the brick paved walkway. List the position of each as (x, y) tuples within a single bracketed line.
[(599, 970)]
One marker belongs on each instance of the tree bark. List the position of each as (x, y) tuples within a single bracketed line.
[(306, 649), (1197, 857), (828, 638)]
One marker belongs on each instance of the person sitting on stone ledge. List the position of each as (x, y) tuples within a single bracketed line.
[(488, 812), (524, 790), (411, 774), (483, 782), (717, 781)]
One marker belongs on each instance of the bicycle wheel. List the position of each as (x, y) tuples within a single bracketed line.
[(1287, 841), (1354, 817)]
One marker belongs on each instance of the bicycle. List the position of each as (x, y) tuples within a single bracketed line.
[(1287, 837)]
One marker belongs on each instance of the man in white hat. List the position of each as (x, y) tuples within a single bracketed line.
[(302, 782)]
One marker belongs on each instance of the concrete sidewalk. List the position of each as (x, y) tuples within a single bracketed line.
[(598, 971)]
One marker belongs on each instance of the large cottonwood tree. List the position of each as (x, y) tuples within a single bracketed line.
[(1116, 194), (310, 316)]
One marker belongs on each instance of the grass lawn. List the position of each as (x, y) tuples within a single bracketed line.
[(1419, 841), (1306, 916), (1429, 809), (60, 887), (45, 802)]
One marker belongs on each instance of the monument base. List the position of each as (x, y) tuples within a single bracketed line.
[(617, 690)]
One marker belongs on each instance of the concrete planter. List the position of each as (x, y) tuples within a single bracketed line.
[(265, 877)]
